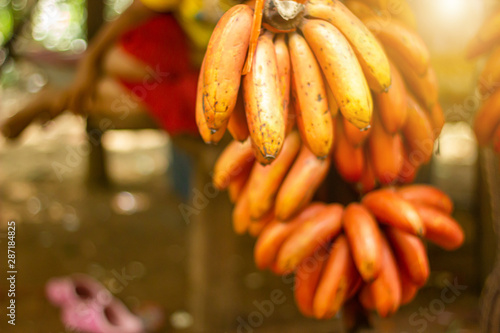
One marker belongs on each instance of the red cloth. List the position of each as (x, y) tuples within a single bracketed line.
[(170, 94)]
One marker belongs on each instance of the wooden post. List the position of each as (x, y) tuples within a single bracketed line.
[(212, 243), (97, 158), (490, 299), (95, 17)]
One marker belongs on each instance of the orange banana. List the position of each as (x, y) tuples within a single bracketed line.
[(440, 228), (385, 153), (241, 214), (408, 289), (256, 226), (284, 72), (389, 208), (237, 124), (487, 36), (355, 283), (310, 236), (425, 88), (417, 131), (306, 281), (392, 104), (342, 71), (354, 135), (496, 140), (334, 282), (363, 234), (368, 180), (368, 50), (313, 119), (238, 182), (411, 254), (221, 76), (410, 166), (360, 9), (487, 119), (265, 181), (489, 79), (273, 236), (437, 119), (263, 101), (427, 195), (235, 158), (300, 184), (366, 298), (401, 44), (208, 135), (386, 289), (349, 160)]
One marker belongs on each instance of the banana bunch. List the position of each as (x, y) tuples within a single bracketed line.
[(269, 69), (370, 250), (487, 122), (261, 77)]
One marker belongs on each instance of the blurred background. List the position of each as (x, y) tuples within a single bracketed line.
[(116, 207)]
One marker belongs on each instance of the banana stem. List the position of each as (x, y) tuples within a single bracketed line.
[(254, 35)]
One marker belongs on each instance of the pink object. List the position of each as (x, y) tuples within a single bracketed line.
[(87, 306), (76, 288), (94, 318)]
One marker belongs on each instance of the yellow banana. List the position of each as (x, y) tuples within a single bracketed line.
[(401, 44), (313, 118), (284, 71), (342, 71), (369, 52), (208, 135), (224, 60), (263, 101)]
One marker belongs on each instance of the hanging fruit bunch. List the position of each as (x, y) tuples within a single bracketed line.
[(302, 87), (372, 250), (289, 63), (487, 122)]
